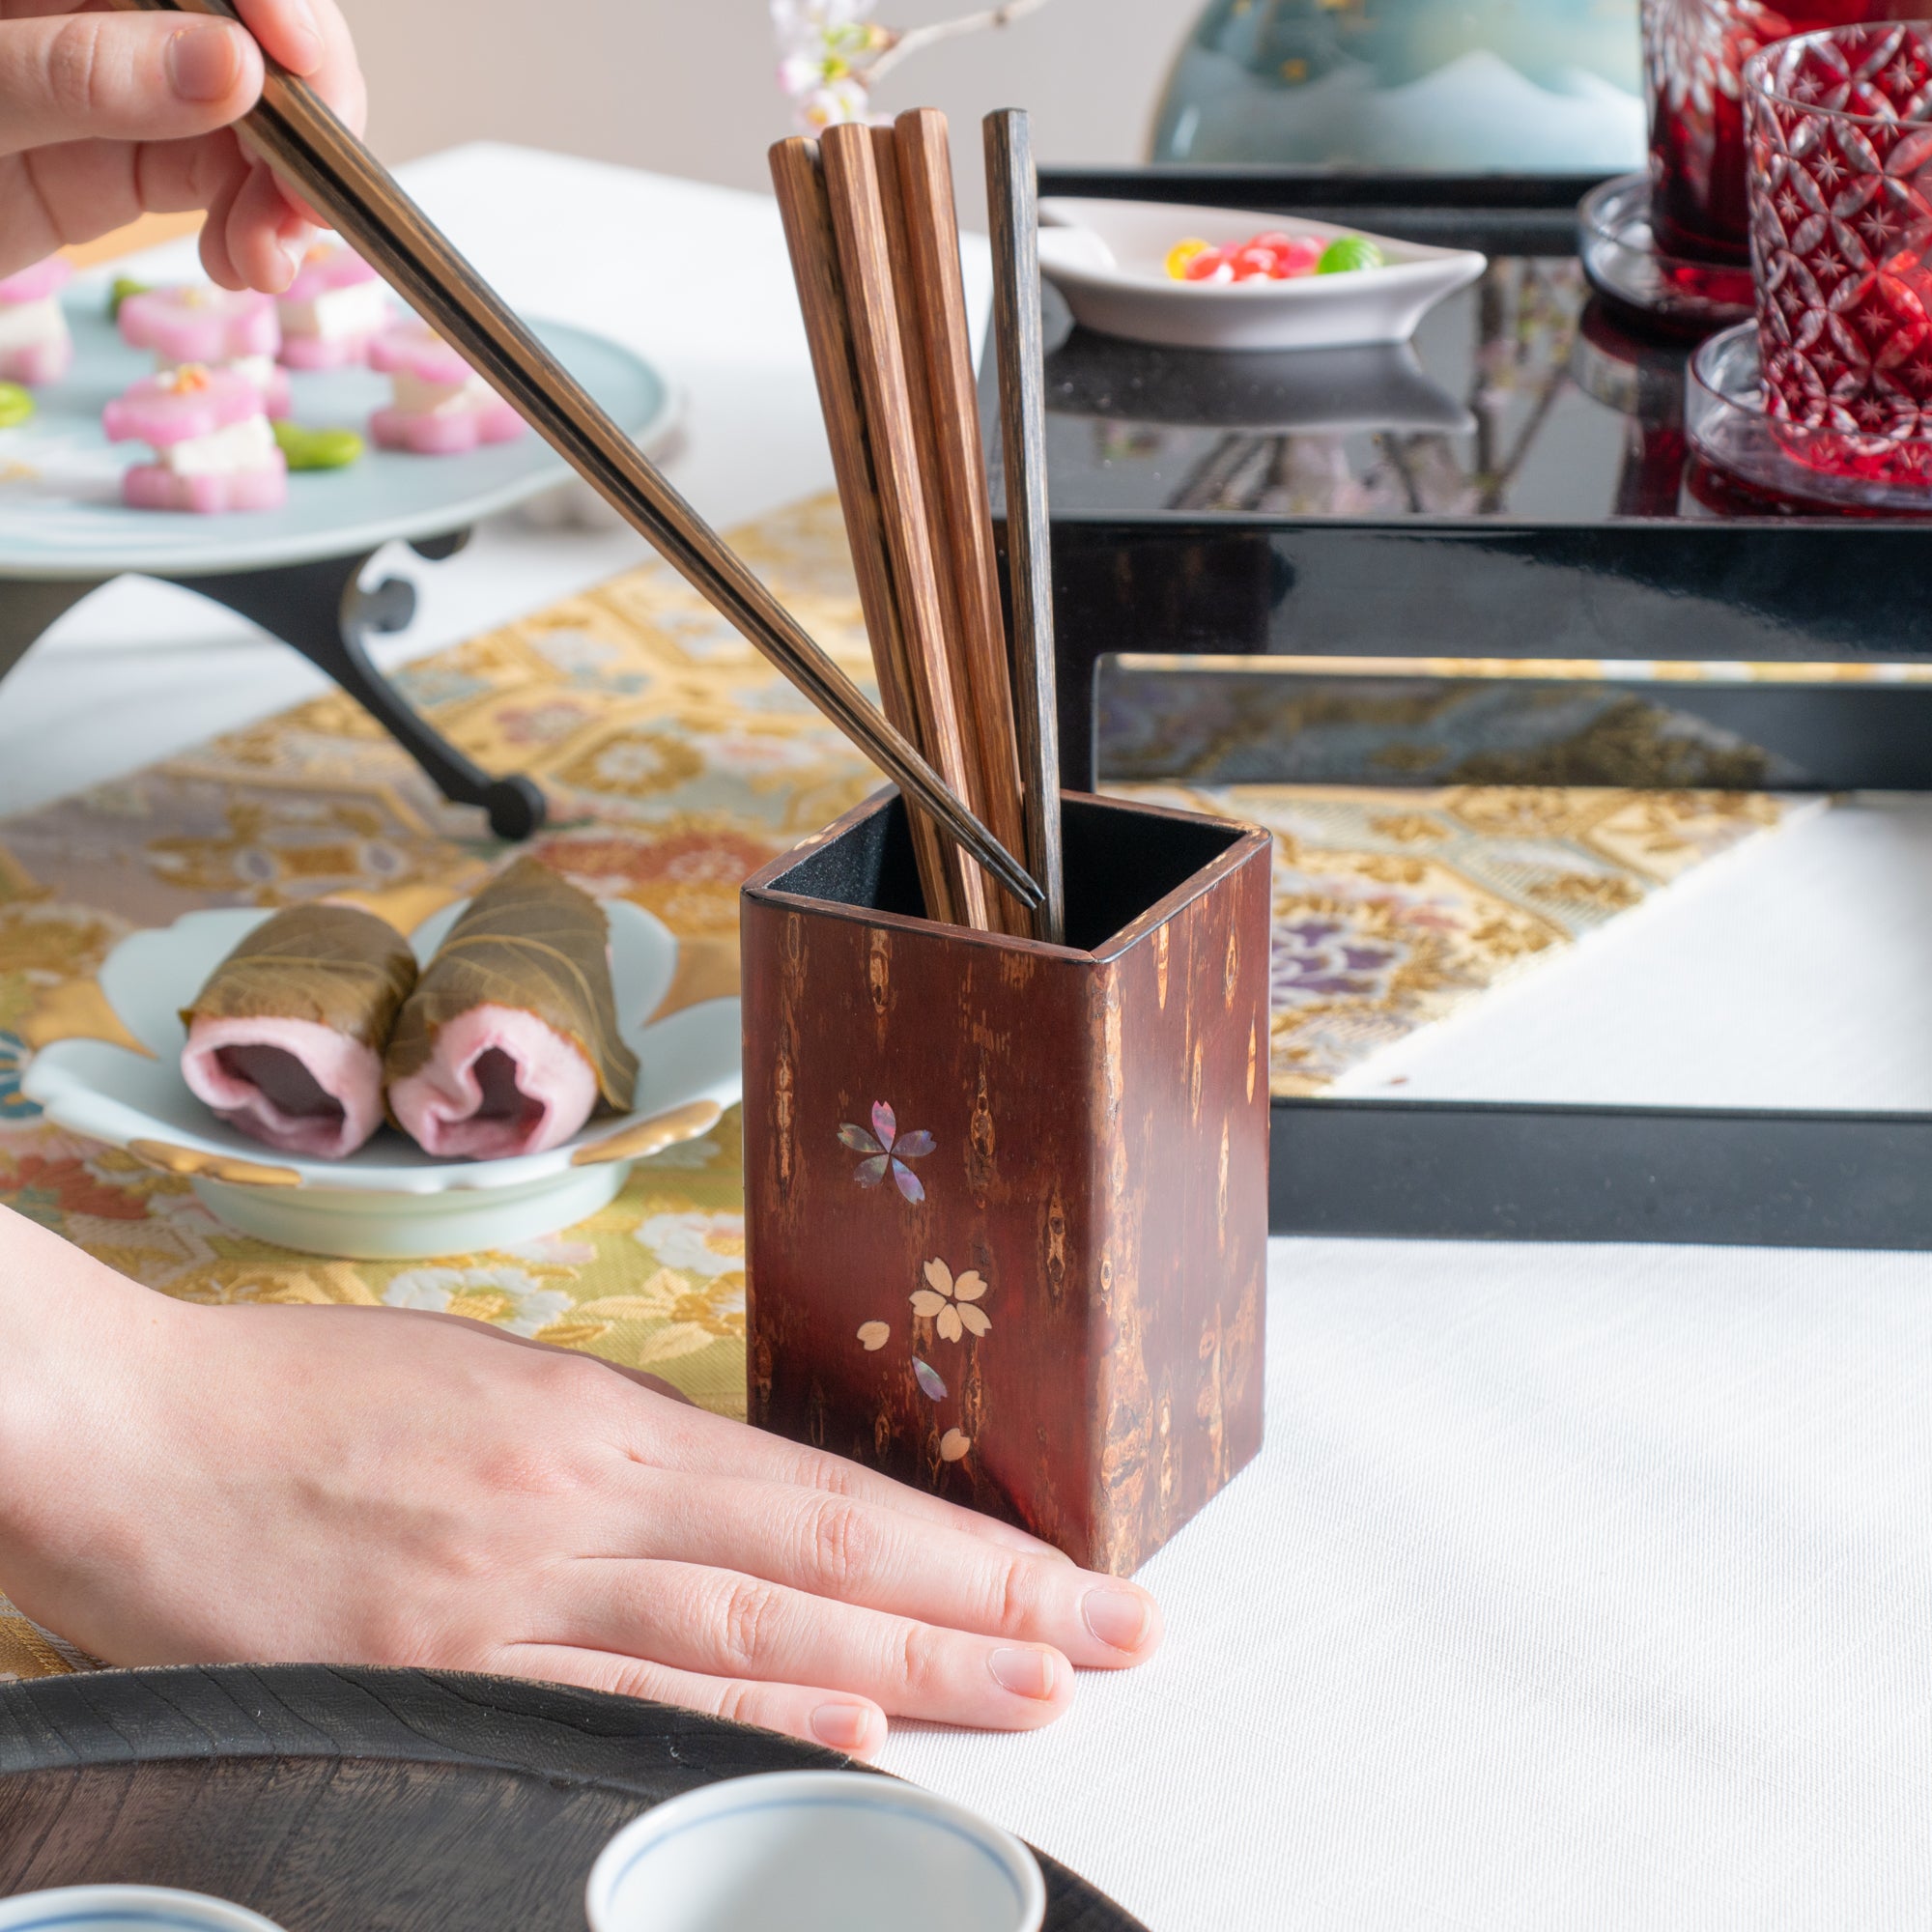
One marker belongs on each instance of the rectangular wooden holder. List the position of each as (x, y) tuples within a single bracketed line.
[(1006, 1203)]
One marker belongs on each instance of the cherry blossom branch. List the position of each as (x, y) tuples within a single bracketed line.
[(911, 40)]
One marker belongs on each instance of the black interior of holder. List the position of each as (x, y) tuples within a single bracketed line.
[(1118, 861)]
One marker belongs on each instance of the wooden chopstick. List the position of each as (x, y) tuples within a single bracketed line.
[(299, 134), (860, 225), (1012, 198), (957, 497), (798, 178)]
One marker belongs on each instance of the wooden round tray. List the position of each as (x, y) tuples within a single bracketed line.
[(366, 1801)]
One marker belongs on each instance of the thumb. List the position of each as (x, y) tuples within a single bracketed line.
[(121, 78)]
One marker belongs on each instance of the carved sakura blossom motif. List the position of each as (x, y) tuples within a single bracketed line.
[(873, 1335), (953, 1447)]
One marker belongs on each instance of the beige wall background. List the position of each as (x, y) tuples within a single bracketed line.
[(686, 87)]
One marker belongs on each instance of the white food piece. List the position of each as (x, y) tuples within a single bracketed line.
[(359, 309), (27, 325), (416, 397), (243, 446)]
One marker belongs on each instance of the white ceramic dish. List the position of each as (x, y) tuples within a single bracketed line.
[(126, 1908), (1108, 259), (389, 1201), (813, 1851)]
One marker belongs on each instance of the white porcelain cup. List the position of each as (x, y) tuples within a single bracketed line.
[(126, 1908), (813, 1851)]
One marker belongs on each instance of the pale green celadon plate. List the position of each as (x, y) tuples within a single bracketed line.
[(61, 514)]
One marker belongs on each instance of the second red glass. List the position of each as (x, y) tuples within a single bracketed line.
[(1695, 55)]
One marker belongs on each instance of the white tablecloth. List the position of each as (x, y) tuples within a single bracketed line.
[(1576, 1587)]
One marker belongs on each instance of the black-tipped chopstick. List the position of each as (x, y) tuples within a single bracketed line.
[(302, 138), (1012, 198)]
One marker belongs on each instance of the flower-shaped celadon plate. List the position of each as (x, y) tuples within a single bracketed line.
[(389, 1201)]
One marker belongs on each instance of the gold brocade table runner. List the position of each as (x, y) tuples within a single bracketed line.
[(676, 763)]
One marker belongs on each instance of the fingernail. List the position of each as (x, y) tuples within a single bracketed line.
[(845, 1727), (1026, 1673), (1117, 1617), (285, 273), (202, 61)]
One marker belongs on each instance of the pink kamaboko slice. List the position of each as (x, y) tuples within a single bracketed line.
[(285, 1042), (332, 311), (222, 328), (510, 1042), (214, 447), (442, 408), (35, 343)]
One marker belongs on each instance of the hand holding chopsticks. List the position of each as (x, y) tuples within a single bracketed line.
[(296, 132)]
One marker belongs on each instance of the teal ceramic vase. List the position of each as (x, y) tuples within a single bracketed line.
[(1543, 86)]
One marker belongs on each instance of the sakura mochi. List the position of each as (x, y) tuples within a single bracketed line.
[(35, 346), (332, 311), (510, 1042), (285, 1042), (220, 328), (442, 408), (214, 448)]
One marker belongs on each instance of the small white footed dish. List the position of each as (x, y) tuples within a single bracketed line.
[(126, 1908), (813, 1851), (1108, 260), (389, 1201)]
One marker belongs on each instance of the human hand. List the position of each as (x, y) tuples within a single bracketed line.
[(371, 1486), (105, 116)]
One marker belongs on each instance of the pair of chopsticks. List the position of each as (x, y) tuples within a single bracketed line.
[(870, 222), (345, 183)]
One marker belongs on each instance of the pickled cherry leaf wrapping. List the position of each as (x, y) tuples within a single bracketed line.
[(335, 965), (530, 941)]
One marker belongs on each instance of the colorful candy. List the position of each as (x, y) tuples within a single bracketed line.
[(35, 346), (1273, 255)]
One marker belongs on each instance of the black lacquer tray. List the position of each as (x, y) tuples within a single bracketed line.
[(365, 1800), (1250, 509)]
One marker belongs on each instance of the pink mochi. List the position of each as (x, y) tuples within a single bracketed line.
[(201, 324), (500, 1083), (181, 406), (49, 356), (325, 269), (415, 352), (178, 405), (293, 1084), (35, 284)]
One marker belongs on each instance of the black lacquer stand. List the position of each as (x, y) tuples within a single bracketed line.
[(322, 609), (1615, 550)]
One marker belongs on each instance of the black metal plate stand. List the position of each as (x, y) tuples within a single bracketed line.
[(367, 1800), (1756, 587), (322, 611)]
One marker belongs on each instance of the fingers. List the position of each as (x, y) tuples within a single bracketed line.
[(121, 77), (215, 255), (721, 1624), (266, 236), (851, 1725), (883, 1559), (701, 1444)]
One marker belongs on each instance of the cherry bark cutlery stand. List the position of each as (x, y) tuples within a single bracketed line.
[(1006, 1203)]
